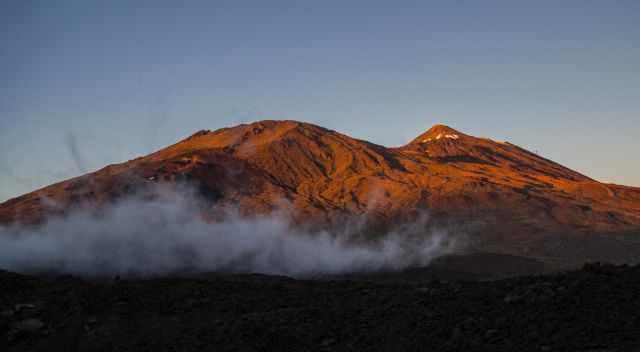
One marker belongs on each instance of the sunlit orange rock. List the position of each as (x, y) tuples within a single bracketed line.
[(324, 175)]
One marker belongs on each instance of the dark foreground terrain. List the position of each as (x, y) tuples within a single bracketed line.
[(596, 308)]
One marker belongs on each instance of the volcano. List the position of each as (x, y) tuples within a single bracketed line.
[(516, 199)]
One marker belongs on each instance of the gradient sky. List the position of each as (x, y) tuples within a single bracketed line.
[(88, 83)]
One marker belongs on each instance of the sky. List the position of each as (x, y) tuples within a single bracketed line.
[(89, 83)]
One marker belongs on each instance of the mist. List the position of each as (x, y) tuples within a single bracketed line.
[(167, 235), (76, 153)]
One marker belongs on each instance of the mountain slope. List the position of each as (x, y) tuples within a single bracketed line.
[(325, 175)]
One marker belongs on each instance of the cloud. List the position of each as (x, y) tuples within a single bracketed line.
[(76, 155), (167, 235)]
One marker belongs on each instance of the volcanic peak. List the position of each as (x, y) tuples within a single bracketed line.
[(437, 132), (326, 174)]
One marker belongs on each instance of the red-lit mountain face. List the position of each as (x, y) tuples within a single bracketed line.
[(325, 175)]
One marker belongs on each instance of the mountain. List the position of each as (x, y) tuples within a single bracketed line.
[(507, 191)]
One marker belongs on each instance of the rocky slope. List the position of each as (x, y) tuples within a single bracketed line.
[(505, 191)]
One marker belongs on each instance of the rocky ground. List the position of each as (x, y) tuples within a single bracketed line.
[(596, 308)]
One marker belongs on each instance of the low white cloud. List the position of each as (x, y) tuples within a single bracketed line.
[(166, 235)]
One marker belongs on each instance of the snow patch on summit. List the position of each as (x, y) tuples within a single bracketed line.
[(440, 135)]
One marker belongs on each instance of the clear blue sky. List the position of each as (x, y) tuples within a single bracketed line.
[(87, 83)]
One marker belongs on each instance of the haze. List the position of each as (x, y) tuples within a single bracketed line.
[(85, 84)]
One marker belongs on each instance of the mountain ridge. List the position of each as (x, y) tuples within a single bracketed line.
[(321, 173)]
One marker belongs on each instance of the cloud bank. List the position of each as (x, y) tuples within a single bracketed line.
[(166, 235)]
